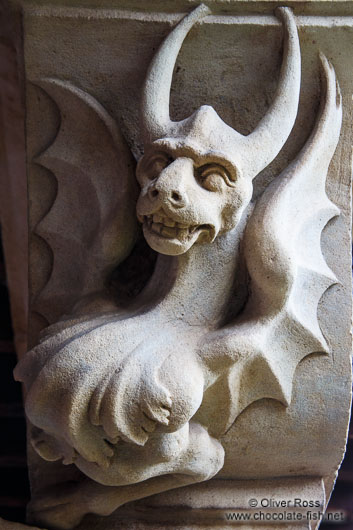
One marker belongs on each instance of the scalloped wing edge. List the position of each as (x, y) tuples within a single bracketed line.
[(89, 157), (279, 326), (291, 281)]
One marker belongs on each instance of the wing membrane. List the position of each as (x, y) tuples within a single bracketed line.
[(91, 226), (279, 326)]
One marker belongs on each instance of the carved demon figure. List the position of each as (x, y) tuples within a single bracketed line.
[(145, 391)]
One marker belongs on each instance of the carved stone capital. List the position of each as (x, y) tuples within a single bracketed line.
[(188, 173)]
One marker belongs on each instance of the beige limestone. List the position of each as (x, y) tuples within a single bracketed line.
[(233, 358)]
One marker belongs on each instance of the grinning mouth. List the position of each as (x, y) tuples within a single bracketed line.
[(165, 226)]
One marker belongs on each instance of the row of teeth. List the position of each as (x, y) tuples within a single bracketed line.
[(166, 221), (168, 228)]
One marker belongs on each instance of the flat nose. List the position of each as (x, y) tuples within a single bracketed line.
[(170, 185), (173, 196)]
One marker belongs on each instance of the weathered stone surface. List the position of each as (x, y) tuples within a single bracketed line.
[(228, 351), (211, 503)]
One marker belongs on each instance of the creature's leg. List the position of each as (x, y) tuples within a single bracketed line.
[(64, 509), (90, 497)]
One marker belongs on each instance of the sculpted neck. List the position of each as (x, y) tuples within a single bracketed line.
[(196, 287)]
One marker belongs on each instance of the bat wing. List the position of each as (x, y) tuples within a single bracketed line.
[(91, 226), (288, 275)]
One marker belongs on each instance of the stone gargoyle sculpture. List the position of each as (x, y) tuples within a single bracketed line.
[(144, 391)]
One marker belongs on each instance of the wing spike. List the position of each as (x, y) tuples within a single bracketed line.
[(314, 339), (254, 379), (321, 270)]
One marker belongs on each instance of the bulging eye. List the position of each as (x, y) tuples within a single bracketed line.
[(156, 164), (213, 177)]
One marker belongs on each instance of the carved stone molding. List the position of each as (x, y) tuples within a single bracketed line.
[(189, 193)]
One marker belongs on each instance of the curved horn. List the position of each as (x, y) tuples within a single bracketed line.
[(266, 141), (156, 90)]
